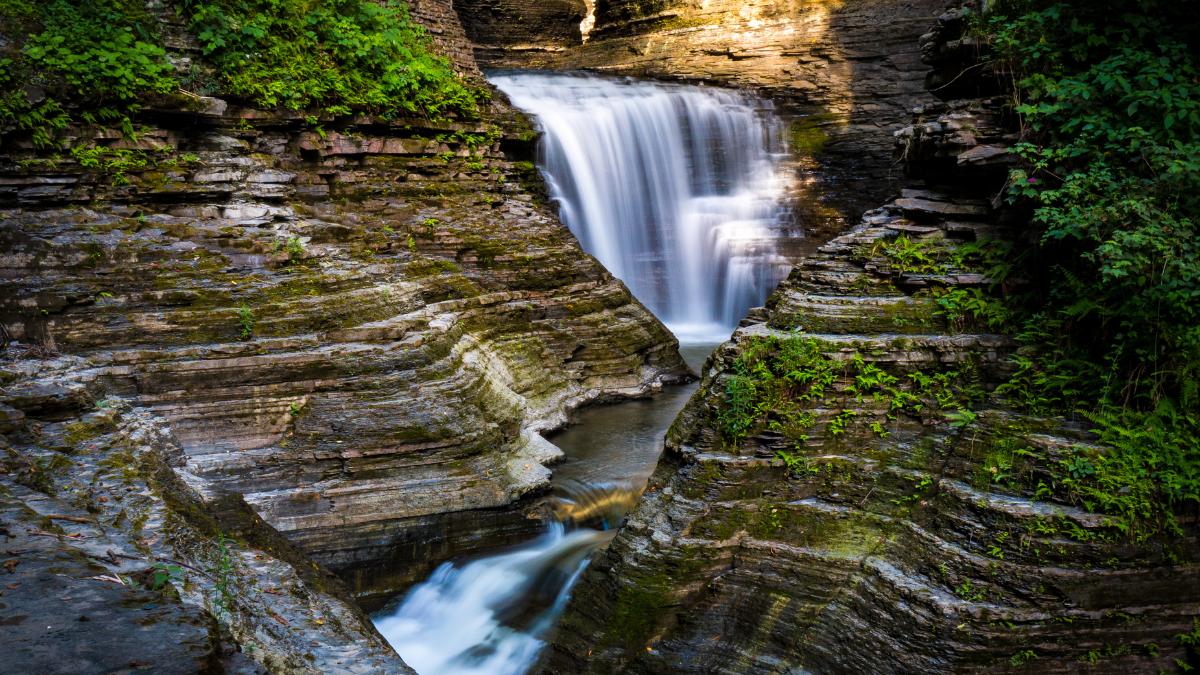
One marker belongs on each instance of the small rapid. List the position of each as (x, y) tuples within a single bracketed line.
[(492, 615), (488, 617)]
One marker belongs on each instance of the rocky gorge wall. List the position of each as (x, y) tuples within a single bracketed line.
[(849, 492), (346, 332), (844, 73)]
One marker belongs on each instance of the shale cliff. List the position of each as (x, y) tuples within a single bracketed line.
[(848, 491), (348, 332), (845, 72)]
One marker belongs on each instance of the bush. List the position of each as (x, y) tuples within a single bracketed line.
[(97, 61), (1108, 95), (336, 55), (102, 56)]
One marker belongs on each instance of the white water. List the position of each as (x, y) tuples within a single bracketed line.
[(488, 617), (675, 189)]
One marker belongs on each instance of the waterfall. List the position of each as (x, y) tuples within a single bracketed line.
[(675, 189)]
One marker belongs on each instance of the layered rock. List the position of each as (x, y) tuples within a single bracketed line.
[(875, 525), (497, 26), (845, 72), (115, 562), (355, 327), (849, 491), (359, 329)]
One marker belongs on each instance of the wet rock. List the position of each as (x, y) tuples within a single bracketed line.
[(842, 72), (851, 535), (347, 348)]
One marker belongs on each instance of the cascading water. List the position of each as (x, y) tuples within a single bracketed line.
[(675, 189), (488, 617)]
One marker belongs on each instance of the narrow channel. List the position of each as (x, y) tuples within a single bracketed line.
[(677, 191)]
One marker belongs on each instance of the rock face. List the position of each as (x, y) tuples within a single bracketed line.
[(331, 322), (845, 72), (496, 26), (871, 527), (848, 491), (116, 562), (355, 329)]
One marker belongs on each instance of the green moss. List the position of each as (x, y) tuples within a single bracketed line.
[(808, 136), (93, 426), (636, 612), (426, 267)]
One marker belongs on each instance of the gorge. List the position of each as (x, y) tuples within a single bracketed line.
[(498, 336), (675, 190)]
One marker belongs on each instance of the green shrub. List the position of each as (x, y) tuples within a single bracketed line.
[(98, 61), (1109, 96), (246, 321), (336, 55), (100, 56)]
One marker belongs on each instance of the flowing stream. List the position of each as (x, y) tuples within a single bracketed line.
[(676, 191)]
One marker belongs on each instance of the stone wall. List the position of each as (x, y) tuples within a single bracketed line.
[(865, 531), (498, 25), (441, 21)]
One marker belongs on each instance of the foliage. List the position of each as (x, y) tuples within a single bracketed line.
[(1147, 471), (113, 162), (1108, 94), (94, 62), (906, 255), (965, 308), (776, 383), (336, 55), (102, 56), (162, 574), (246, 321), (222, 572), (1022, 658), (294, 248)]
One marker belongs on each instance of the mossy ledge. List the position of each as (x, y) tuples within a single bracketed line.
[(861, 493), (346, 333)]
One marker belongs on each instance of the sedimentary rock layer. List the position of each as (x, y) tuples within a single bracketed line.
[(355, 328), (848, 492), (846, 72)]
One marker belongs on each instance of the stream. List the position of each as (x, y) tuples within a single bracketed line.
[(676, 190)]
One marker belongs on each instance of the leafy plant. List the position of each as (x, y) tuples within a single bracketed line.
[(967, 591), (222, 572), (294, 248), (100, 55), (1022, 658), (965, 308), (1108, 97), (336, 55), (163, 574), (246, 321)]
